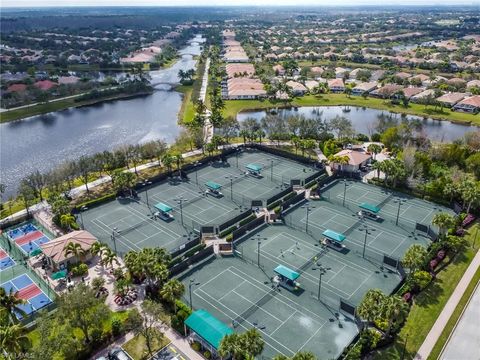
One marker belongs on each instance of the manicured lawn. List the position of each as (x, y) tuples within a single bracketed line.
[(187, 111), (454, 318), (429, 304), (137, 348), (234, 106)]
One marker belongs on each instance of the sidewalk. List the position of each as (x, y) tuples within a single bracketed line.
[(447, 311)]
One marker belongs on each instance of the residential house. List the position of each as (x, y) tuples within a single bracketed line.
[(365, 87), (424, 94), (450, 99), (356, 160), (16, 88), (341, 72), (410, 91), (279, 69), (473, 83), (469, 105), (386, 91), (244, 88), (311, 84), (45, 85), (336, 85), (239, 69), (298, 89)]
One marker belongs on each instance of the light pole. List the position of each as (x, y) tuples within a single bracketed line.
[(190, 284), (195, 165), (236, 154), (307, 208), (231, 178), (271, 170), (82, 209), (400, 203), (145, 183), (367, 232), (322, 271), (114, 233), (180, 202), (259, 242), (344, 191)]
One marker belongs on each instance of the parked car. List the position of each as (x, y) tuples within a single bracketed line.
[(118, 354)]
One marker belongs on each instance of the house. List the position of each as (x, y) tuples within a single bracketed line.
[(45, 85), (386, 91), (420, 78), (457, 82), (365, 87), (336, 85), (356, 160), (17, 88), (450, 99), (403, 75), (68, 80), (317, 70), (298, 89), (424, 94), (410, 91), (341, 72), (473, 83), (278, 69), (311, 84), (244, 88), (55, 250), (353, 74), (377, 75), (239, 69), (469, 105)]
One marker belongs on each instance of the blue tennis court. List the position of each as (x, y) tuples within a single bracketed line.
[(26, 289), (5, 260), (28, 238)]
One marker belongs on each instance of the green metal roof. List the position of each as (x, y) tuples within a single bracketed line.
[(59, 275), (369, 207), (332, 235), (163, 207), (286, 272), (254, 167), (213, 185), (208, 327)]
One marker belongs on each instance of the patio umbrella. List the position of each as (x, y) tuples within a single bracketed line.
[(59, 275)]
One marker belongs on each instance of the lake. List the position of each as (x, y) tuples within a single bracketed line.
[(364, 120), (45, 141)]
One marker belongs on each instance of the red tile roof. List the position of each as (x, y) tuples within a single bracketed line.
[(45, 84), (17, 88)]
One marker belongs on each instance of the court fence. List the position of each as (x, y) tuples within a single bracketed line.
[(186, 263), (285, 154), (234, 220), (238, 233), (279, 195), (295, 200)]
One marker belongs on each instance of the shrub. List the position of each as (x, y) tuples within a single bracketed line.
[(421, 279), (116, 327), (195, 346), (97, 283), (207, 354), (229, 237), (97, 201), (96, 335), (80, 270), (227, 231), (355, 352), (181, 306), (247, 219)]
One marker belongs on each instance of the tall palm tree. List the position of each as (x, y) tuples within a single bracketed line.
[(369, 308), (14, 340), (167, 161), (374, 149), (10, 305), (444, 221), (339, 159), (378, 165), (393, 309), (252, 342), (231, 346), (109, 257), (98, 249), (414, 257), (171, 291), (75, 249)]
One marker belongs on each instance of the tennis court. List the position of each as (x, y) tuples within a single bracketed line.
[(241, 293), (5, 260), (28, 237), (129, 224), (410, 210), (35, 298)]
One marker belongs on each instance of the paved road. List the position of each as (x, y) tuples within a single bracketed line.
[(464, 342), (170, 352)]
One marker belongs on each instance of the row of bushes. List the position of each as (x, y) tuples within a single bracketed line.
[(95, 202), (187, 254)]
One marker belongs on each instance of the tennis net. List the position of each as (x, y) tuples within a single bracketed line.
[(249, 312), (384, 201), (312, 260)]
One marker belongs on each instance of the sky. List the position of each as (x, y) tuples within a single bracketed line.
[(62, 3)]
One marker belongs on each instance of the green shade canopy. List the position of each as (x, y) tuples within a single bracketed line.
[(213, 185), (59, 275), (36, 252), (369, 207), (208, 327), (254, 167), (286, 272), (332, 235), (163, 207)]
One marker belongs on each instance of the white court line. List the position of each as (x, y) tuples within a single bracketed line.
[(311, 337), (283, 323), (103, 226), (256, 306), (233, 290), (359, 286)]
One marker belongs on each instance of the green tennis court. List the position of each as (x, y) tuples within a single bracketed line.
[(130, 224)]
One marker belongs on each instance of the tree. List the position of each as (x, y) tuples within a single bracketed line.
[(374, 149), (171, 291), (455, 243), (75, 249), (444, 221), (167, 161), (25, 194), (145, 322), (150, 264), (239, 346), (370, 306), (68, 221), (10, 305), (339, 159), (394, 310), (37, 182), (302, 355), (85, 168), (414, 257), (123, 181), (14, 340)]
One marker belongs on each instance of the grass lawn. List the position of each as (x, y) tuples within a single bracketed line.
[(429, 304), (454, 318), (137, 348), (187, 110), (232, 107)]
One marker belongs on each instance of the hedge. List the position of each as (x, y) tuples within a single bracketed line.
[(247, 220), (227, 231), (187, 254), (96, 201)]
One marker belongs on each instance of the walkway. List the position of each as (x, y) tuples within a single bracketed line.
[(447, 311), (464, 341)]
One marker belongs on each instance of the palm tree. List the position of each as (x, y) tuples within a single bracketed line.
[(252, 342), (393, 309), (67, 221), (14, 340), (171, 291), (374, 149), (98, 249), (340, 160), (378, 165), (369, 308), (109, 257), (240, 346), (470, 192), (444, 221), (74, 249), (167, 161), (178, 158), (10, 305), (230, 345), (414, 257), (244, 134)]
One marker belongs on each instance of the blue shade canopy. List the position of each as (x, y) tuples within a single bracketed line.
[(163, 207), (369, 207), (208, 327), (254, 167), (213, 185), (332, 235), (287, 272)]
